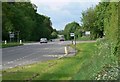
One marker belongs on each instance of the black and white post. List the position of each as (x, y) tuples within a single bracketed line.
[(73, 35)]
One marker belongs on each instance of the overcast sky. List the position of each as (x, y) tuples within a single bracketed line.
[(63, 12)]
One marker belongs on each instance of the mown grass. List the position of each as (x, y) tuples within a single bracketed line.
[(83, 66), (84, 38), (10, 44)]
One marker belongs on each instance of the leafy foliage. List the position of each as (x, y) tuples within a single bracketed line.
[(111, 26), (73, 27), (92, 21), (54, 35), (103, 19), (110, 46), (22, 17)]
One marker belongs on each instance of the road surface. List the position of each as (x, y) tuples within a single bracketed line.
[(31, 53)]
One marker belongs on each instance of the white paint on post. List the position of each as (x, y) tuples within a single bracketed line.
[(20, 41), (5, 42), (74, 42)]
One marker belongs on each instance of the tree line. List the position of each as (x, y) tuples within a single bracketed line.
[(93, 19), (102, 21), (22, 18)]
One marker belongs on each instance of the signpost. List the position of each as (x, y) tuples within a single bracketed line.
[(87, 33), (73, 35), (11, 35)]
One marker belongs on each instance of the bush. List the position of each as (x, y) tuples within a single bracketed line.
[(109, 61)]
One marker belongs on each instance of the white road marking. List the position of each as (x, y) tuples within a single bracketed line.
[(46, 48), (53, 55), (19, 64), (10, 62), (10, 67), (17, 59)]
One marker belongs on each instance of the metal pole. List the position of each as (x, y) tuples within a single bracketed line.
[(10, 39), (10, 36), (18, 36), (72, 41), (75, 43)]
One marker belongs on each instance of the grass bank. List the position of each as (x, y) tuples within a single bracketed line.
[(83, 66), (10, 44)]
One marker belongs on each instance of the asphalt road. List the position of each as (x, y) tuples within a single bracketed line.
[(32, 52)]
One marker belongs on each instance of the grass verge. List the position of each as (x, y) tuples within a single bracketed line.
[(10, 45), (83, 66)]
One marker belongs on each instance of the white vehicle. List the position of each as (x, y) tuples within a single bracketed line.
[(43, 40)]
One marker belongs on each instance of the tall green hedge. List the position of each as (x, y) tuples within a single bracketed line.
[(109, 47), (111, 22), (111, 26), (112, 29), (118, 48)]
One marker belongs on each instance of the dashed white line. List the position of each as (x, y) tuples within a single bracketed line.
[(10, 67), (10, 62), (46, 48), (53, 55)]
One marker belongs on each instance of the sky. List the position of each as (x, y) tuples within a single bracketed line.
[(62, 12)]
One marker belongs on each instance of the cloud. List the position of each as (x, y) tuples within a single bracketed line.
[(63, 11), (59, 1)]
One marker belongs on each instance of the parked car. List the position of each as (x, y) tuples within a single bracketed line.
[(43, 40), (62, 39)]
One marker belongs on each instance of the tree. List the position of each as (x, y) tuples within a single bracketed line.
[(73, 27), (54, 35), (88, 20), (22, 17)]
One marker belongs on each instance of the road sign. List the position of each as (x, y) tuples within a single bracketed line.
[(87, 33), (12, 35), (72, 34)]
